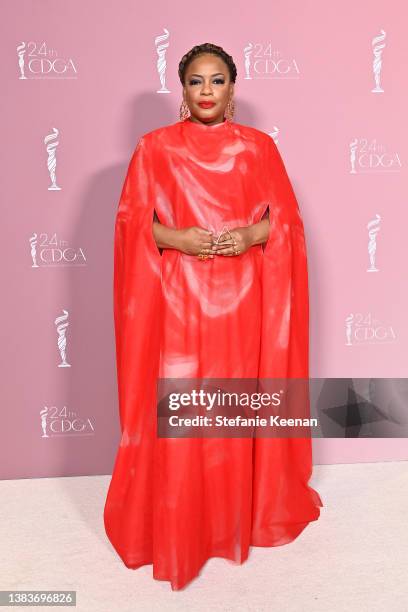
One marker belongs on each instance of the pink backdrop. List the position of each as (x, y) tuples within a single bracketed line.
[(311, 68)]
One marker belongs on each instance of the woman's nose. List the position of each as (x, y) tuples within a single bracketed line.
[(206, 88)]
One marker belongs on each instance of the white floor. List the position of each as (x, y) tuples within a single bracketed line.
[(354, 558)]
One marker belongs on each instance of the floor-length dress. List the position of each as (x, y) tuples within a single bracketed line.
[(175, 502)]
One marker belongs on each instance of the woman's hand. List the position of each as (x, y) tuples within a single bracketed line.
[(235, 242), (194, 240)]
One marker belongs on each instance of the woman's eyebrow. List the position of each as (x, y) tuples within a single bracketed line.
[(200, 75)]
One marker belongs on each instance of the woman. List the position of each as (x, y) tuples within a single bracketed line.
[(210, 280)]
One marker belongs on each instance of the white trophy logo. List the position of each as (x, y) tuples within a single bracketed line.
[(161, 60), (33, 244), (62, 323), (378, 45), (51, 161), (43, 415), (274, 134), (373, 229), (349, 323), (21, 49), (353, 149), (247, 54)]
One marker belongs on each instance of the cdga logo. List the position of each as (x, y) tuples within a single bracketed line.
[(48, 250), (263, 62), (365, 329), (59, 422), (372, 157), (40, 62)]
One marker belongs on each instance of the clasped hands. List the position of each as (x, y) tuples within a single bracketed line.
[(203, 243)]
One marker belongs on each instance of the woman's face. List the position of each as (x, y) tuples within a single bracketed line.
[(207, 80)]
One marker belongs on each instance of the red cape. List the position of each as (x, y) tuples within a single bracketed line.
[(176, 502)]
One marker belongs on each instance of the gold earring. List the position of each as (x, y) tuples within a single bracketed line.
[(184, 111), (229, 111)]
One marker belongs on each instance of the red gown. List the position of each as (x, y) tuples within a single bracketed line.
[(176, 502)]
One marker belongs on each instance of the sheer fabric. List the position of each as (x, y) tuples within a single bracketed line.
[(174, 503)]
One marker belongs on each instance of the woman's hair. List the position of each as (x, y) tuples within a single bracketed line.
[(206, 48)]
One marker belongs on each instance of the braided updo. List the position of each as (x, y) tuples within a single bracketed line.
[(200, 50)]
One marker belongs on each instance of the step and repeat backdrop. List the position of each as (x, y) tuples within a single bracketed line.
[(81, 82)]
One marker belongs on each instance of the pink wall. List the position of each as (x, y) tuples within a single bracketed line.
[(317, 103)]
